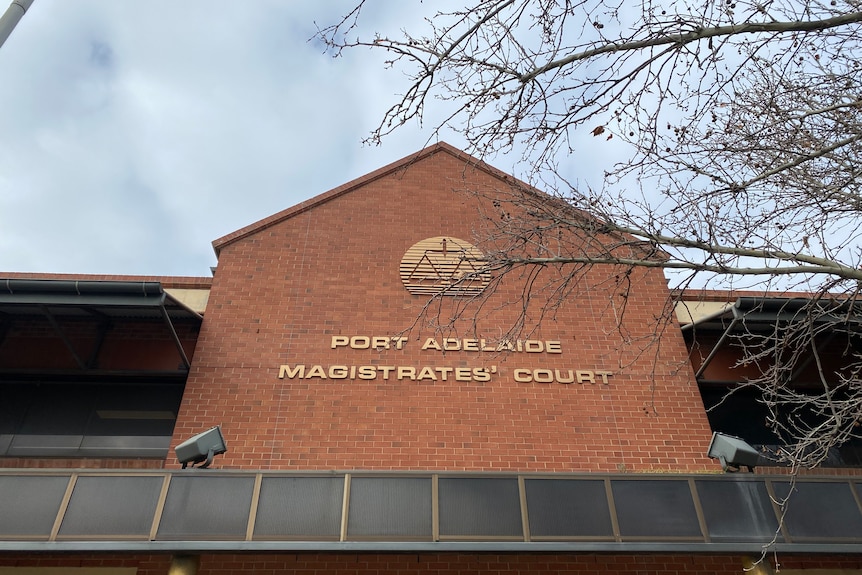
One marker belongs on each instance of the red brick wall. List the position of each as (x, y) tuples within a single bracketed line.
[(434, 563), (279, 296), (145, 564)]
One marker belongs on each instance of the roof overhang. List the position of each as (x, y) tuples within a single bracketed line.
[(769, 311), (765, 315), (359, 511), (85, 298), (95, 301)]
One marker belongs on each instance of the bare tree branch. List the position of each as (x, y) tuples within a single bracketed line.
[(737, 132)]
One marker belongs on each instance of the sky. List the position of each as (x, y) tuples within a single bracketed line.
[(133, 134)]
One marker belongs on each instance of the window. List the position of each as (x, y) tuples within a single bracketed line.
[(86, 419), (744, 413)]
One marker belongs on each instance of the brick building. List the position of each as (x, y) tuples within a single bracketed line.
[(386, 408)]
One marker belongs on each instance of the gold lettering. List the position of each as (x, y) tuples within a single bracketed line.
[(286, 371), (407, 373), (481, 374), (604, 375), (380, 342), (315, 371), (543, 376), (523, 376), (534, 346), (451, 344), (431, 343), (365, 342), (471, 345), (444, 372), (423, 373), (338, 371), (553, 346), (427, 373)]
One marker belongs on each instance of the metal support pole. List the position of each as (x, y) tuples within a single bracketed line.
[(184, 565), (11, 17)]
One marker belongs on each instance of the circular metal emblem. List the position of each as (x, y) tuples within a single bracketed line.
[(443, 266)]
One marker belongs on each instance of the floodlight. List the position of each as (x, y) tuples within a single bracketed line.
[(732, 452), (202, 447)]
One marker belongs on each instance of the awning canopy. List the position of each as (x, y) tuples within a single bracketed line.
[(766, 315), (769, 311), (101, 303), (201, 510)]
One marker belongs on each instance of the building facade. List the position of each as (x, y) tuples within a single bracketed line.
[(387, 406)]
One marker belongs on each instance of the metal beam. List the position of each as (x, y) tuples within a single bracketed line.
[(94, 374), (104, 327), (175, 337), (631, 547), (715, 349), (53, 321)]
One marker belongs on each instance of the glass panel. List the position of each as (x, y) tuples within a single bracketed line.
[(392, 506), (206, 506), (14, 399), (740, 414), (737, 510), (743, 413), (135, 410), (568, 507), (482, 507), (300, 507), (81, 419), (44, 445), (112, 506), (59, 410), (29, 504), (124, 445), (653, 509), (820, 510)]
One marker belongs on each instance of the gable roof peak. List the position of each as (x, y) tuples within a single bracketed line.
[(345, 188)]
